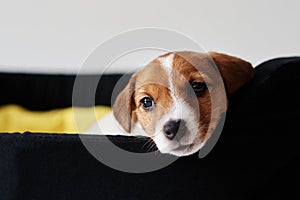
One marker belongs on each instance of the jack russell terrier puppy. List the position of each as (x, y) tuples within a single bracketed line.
[(178, 99)]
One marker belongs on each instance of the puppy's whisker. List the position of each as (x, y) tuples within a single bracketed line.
[(140, 139), (151, 146), (147, 143)]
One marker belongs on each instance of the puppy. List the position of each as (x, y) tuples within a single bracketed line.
[(178, 99)]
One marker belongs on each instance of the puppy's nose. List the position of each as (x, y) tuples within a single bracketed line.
[(171, 128)]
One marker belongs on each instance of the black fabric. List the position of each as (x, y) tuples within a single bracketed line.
[(45, 92), (256, 157)]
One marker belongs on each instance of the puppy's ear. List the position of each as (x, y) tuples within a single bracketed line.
[(124, 105), (234, 71)]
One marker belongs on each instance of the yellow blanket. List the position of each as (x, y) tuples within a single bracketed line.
[(14, 118)]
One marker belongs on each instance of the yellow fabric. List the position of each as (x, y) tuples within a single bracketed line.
[(14, 118)]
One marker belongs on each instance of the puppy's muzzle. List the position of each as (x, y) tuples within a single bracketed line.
[(174, 128)]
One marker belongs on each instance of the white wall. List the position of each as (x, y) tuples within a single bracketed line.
[(57, 35)]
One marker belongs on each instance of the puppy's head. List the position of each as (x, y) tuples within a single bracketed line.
[(179, 97)]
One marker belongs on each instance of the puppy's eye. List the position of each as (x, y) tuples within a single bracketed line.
[(199, 88), (147, 103)]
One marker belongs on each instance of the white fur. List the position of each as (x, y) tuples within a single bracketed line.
[(167, 64), (179, 110)]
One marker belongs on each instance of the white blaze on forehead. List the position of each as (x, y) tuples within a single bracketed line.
[(167, 64), (178, 110)]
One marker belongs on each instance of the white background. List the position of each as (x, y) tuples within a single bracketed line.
[(57, 35)]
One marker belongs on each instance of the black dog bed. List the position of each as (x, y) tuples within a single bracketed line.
[(256, 157)]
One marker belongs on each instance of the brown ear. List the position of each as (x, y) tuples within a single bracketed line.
[(234, 71), (124, 105)]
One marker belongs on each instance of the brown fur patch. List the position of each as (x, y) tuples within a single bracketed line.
[(235, 71)]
